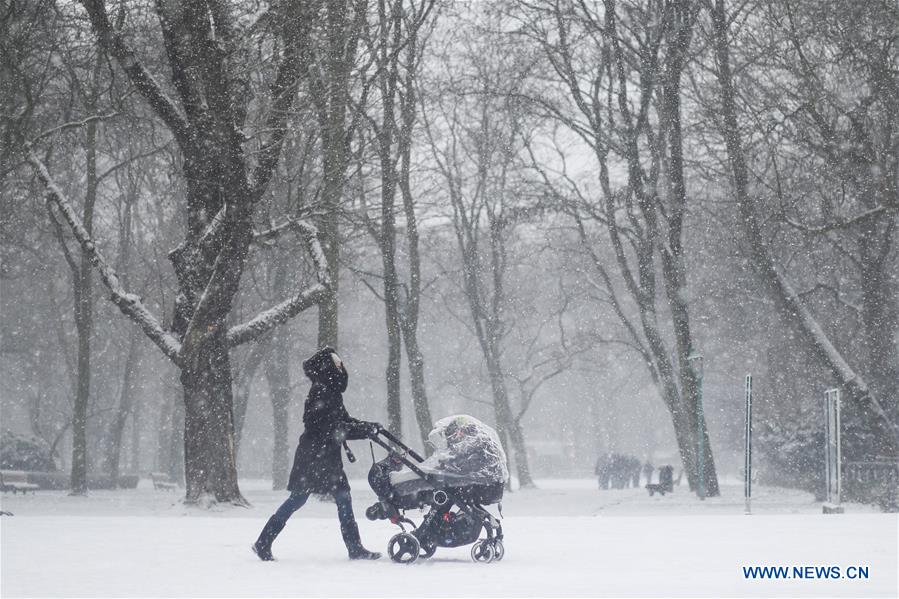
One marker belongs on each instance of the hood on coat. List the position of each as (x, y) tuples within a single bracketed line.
[(322, 368)]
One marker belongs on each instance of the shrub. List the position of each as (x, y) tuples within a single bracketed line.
[(21, 452)]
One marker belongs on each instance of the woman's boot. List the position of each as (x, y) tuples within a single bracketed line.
[(263, 545), (350, 532)]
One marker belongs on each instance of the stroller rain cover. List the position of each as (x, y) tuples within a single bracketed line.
[(467, 450)]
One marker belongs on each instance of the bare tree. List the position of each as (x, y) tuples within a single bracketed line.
[(476, 136), (327, 65), (225, 183), (881, 197), (395, 46), (619, 72)]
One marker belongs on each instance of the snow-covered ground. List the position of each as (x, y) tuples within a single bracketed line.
[(564, 539)]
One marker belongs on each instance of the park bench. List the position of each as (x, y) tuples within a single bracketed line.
[(15, 481), (665, 484), (162, 482)]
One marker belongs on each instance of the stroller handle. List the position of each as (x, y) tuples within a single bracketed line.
[(393, 439)]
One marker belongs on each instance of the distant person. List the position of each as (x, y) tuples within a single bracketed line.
[(647, 472), (317, 464), (619, 474), (634, 467), (603, 463)]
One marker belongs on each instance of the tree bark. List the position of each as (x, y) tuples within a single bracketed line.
[(126, 400), (417, 384), (209, 425), (277, 373), (84, 307), (674, 268), (136, 429), (410, 312), (341, 37)]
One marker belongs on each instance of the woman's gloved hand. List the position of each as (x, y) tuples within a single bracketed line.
[(356, 430)]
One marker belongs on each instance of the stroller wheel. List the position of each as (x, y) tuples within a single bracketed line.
[(403, 548), (427, 551), (499, 550), (482, 552)]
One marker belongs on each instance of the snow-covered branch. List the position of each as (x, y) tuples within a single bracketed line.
[(310, 236), (835, 225), (269, 319), (75, 124), (129, 303)]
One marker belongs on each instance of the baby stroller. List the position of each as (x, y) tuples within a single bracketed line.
[(466, 472)]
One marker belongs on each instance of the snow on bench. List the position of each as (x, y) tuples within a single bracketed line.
[(162, 482), (15, 481)]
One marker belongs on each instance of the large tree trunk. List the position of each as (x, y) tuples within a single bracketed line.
[(209, 460)]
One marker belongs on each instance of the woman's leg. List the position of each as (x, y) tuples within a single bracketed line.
[(349, 529), (263, 545)]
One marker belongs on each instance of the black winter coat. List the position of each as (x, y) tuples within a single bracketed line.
[(317, 464)]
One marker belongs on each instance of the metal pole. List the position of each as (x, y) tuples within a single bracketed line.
[(747, 465), (833, 452), (827, 437), (839, 460)]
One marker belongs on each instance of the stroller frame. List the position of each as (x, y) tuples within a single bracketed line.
[(406, 547)]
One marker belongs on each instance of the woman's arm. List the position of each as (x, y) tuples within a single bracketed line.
[(326, 415), (357, 429)]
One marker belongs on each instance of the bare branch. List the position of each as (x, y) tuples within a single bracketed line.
[(75, 124), (836, 225), (113, 43), (269, 319), (129, 303), (266, 321)]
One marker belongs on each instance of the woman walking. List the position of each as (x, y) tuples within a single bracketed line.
[(317, 464)]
